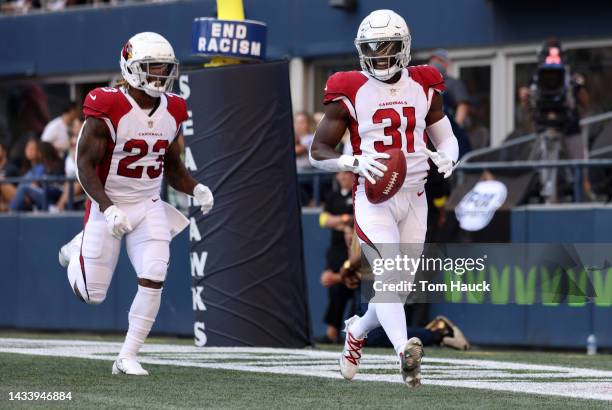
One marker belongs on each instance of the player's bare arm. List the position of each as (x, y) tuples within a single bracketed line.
[(179, 178), (329, 132), (175, 172), (328, 135), (436, 110), (90, 151)]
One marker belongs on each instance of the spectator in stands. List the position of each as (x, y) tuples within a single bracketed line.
[(54, 5), (32, 194), (57, 130), (302, 130), (477, 131), (337, 216), (18, 6), (30, 157), (7, 169), (24, 6), (70, 168), (3, 159), (523, 115), (30, 164), (456, 99)]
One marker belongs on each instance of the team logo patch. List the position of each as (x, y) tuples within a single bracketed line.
[(127, 51)]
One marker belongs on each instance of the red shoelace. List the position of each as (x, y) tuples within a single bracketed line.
[(354, 347)]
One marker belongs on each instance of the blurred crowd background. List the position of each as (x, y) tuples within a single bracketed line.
[(33, 6)]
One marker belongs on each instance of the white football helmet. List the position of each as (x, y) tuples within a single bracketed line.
[(383, 42), (148, 63)]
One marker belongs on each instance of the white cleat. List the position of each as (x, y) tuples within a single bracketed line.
[(128, 366), (410, 362), (69, 249), (351, 354)]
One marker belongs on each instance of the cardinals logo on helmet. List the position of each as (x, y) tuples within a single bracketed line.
[(127, 51)]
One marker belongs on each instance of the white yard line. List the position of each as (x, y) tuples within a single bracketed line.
[(466, 373)]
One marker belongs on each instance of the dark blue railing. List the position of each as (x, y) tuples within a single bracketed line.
[(316, 177)]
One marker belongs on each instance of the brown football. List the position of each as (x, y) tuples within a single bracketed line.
[(387, 185)]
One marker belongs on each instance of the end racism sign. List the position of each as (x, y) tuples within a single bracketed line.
[(244, 39)]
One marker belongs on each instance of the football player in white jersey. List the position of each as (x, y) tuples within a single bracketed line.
[(386, 105), (129, 141)]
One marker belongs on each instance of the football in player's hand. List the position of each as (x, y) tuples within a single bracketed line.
[(387, 185)]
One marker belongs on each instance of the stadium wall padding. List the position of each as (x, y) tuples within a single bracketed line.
[(249, 274), (538, 325), (35, 293)]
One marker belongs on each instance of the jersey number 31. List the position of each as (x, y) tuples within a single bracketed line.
[(393, 131)]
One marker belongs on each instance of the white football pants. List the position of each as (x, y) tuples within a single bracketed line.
[(394, 227), (90, 272)]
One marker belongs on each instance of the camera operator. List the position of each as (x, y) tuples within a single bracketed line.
[(556, 94)]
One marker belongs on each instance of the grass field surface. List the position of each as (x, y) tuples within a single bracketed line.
[(183, 376)]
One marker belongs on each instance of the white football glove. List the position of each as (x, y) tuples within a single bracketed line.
[(117, 222), (204, 196), (445, 165), (366, 166)]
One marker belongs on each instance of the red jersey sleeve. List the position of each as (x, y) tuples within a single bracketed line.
[(343, 84), (428, 77), (177, 107), (107, 103)]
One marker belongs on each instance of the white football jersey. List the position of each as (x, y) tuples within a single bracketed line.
[(385, 116), (133, 166)]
